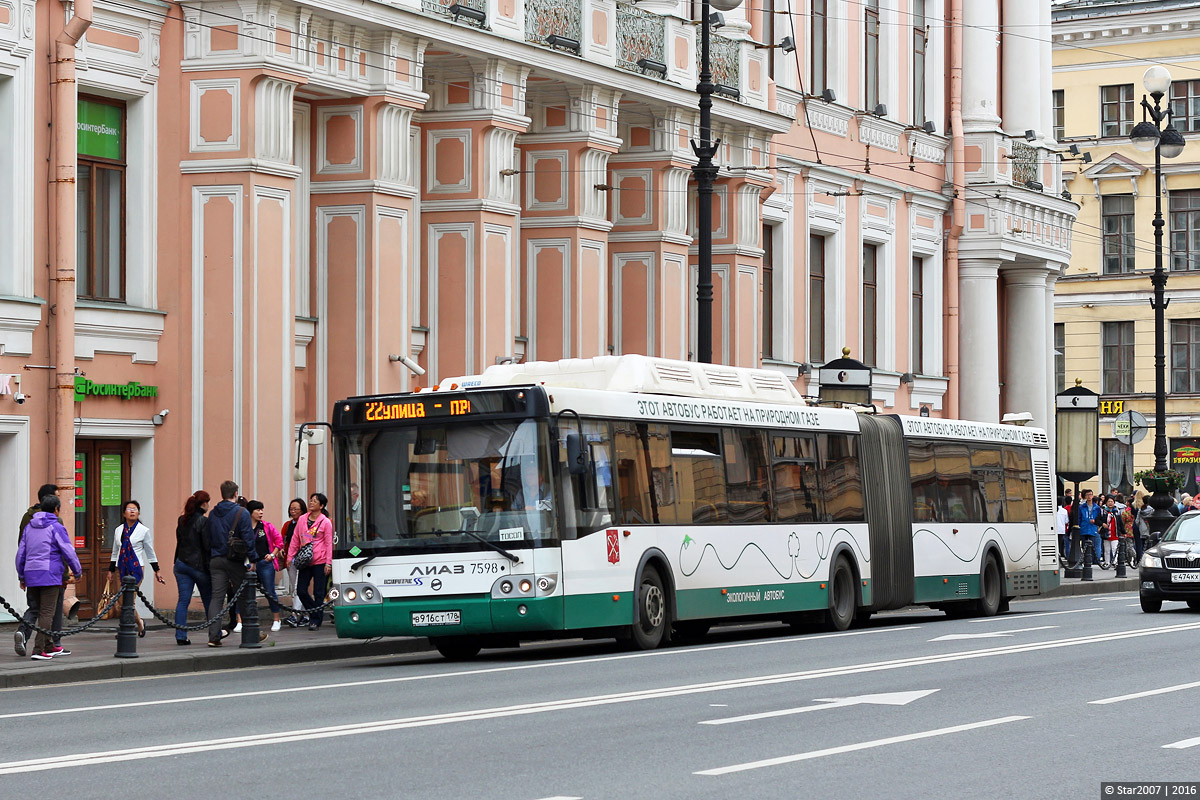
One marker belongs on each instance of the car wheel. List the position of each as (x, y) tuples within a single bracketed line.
[(1151, 605), (1194, 605)]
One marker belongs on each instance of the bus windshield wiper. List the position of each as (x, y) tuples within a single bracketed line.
[(513, 558)]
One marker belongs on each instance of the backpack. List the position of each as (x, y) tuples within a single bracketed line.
[(235, 545)]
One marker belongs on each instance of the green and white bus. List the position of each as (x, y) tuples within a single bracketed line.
[(644, 498)]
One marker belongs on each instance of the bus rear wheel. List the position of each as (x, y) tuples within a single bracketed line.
[(651, 626), (457, 648), (991, 590), (841, 597)]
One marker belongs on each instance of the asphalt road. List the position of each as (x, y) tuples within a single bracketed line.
[(1032, 704)]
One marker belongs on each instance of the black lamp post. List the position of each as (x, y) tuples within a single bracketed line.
[(705, 174), (1158, 134)]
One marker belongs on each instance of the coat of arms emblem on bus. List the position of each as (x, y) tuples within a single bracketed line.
[(614, 546)]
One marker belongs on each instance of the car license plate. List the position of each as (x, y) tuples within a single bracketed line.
[(423, 619), (1185, 577)]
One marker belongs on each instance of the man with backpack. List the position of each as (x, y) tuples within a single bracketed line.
[(230, 542)]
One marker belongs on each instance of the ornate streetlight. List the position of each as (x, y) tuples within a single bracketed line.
[(705, 174), (1155, 132)]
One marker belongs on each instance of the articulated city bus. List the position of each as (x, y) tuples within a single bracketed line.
[(643, 498)]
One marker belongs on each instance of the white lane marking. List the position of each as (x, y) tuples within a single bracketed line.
[(353, 729), (1011, 617), (850, 748), (888, 699), (949, 637), (1134, 605), (561, 797), (1182, 745), (1112, 599), (1148, 693), (440, 675)]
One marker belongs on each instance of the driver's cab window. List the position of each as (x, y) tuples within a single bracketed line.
[(589, 499)]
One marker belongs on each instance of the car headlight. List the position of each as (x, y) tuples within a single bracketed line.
[(1153, 562)]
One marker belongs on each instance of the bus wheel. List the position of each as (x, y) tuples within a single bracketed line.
[(841, 597), (992, 590), (651, 626), (457, 648)]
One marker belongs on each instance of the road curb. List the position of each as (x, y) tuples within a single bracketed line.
[(209, 661), (1105, 586)]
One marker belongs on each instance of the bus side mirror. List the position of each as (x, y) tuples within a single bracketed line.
[(577, 454), (315, 436), (300, 468)]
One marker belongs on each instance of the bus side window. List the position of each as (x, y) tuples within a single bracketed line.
[(794, 469), (924, 481), (657, 440), (746, 477), (1018, 485), (987, 479), (632, 473), (960, 501), (841, 477), (699, 476), (592, 496)]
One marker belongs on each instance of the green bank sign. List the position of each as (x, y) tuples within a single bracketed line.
[(126, 391), (101, 133)]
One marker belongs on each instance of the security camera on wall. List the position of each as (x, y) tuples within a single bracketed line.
[(19, 398)]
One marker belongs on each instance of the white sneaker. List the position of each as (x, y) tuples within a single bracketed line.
[(237, 628), (275, 625)]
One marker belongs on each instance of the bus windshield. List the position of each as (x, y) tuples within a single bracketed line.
[(443, 489)]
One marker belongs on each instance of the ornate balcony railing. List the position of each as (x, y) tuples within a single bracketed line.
[(640, 35), (441, 8), (724, 57), (558, 17), (1026, 165)]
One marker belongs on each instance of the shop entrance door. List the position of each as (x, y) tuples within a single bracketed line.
[(101, 485)]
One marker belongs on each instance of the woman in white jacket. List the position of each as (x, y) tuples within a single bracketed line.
[(133, 548)]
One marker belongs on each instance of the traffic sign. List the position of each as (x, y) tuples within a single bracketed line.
[(1130, 427)]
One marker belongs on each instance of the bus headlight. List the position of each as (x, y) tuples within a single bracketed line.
[(351, 596), (525, 585), (368, 594), (506, 587)]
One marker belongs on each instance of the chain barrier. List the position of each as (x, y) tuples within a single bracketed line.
[(270, 595), (98, 617), (170, 623)]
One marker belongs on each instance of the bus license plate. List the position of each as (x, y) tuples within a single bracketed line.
[(1185, 577), (423, 619)]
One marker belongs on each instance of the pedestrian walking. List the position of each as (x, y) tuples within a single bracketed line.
[(32, 609), (191, 560), (1062, 524), (311, 551), (1114, 530), (231, 544), (44, 557), (133, 548), (1089, 514), (296, 509), (268, 545)]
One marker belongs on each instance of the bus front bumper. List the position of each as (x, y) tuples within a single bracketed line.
[(458, 615)]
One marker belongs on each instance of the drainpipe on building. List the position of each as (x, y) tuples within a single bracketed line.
[(66, 159), (959, 208)]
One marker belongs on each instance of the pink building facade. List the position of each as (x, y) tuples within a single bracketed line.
[(259, 207)]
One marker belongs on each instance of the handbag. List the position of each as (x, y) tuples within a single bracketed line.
[(111, 589), (304, 556)]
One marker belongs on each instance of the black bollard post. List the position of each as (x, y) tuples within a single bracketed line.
[(1121, 557), (1075, 557), (1087, 559), (127, 632), (250, 633)]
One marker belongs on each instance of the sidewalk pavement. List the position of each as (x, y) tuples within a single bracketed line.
[(92, 652)]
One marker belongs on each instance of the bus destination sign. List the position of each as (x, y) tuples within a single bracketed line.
[(397, 410)]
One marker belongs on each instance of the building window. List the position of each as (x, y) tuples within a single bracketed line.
[(100, 195), (920, 43), (1185, 355), (1116, 342), (1116, 110), (1185, 105), (918, 316), (1060, 356), (768, 33), (1184, 209), (768, 292), (819, 46), (1116, 219), (871, 53), (816, 299), (1059, 115), (870, 302)]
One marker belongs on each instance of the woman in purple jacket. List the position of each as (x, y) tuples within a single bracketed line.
[(41, 556)]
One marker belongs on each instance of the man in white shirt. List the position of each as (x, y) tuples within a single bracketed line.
[(1061, 524)]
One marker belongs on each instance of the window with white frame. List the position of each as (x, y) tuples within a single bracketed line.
[(920, 47), (819, 46), (1116, 221), (816, 298), (917, 322), (1058, 102), (1116, 343), (768, 292), (870, 304), (1185, 355), (871, 54), (1116, 110), (100, 196), (1060, 356)]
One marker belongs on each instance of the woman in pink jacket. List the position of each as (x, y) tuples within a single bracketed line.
[(316, 530), (269, 544)]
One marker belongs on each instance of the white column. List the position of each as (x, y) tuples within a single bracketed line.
[(1026, 342), (1051, 279), (981, 20), (1023, 84), (1046, 61), (979, 344)]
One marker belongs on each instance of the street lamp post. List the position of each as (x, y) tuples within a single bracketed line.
[(705, 174), (1155, 132)]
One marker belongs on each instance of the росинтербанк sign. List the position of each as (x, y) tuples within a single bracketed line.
[(127, 391)]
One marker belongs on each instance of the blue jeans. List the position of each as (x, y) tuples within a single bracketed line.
[(1096, 551), (266, 580), (187, 578)]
